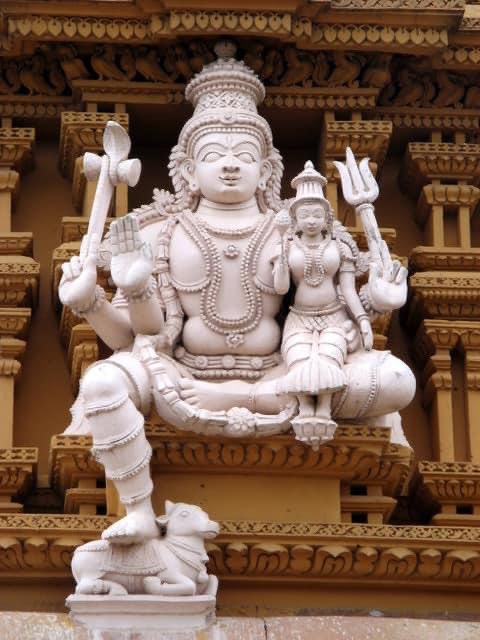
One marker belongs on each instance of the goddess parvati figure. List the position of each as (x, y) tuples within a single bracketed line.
[(193, 324), (327, 320)]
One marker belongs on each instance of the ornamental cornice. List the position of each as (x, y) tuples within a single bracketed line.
[(445, 195), (361, 454), (82, 351), (17, 466), (19, 281), (444, 295), (368, 138), (380, 37), (16, 148), (333, 99), (429, 118), (81, 132), (20, 106), (16, 243), (444, 258), (401, 5), (460, 57), (14, 322), (451, 482), (434, 557), (427, 161)]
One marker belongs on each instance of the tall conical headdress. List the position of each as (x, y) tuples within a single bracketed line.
[(309, 187)]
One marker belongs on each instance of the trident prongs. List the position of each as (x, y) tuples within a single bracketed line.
[(358, 182)]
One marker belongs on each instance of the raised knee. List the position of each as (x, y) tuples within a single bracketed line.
[(103, 384), (399, 382)]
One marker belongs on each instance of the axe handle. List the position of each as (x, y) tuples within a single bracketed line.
[(101, 201)]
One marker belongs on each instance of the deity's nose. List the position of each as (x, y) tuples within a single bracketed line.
[(231, 164)]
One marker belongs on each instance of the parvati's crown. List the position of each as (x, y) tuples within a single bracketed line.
[(309, 186)]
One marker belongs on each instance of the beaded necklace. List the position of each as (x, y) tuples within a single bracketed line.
[(234, 329), (314, 268)]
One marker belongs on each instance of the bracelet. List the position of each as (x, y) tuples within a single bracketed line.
[(364, 295), (99, 298), (144, 294), (361, 316)]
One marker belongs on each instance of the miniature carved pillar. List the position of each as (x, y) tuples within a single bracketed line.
[(470, 341), (11, 349), (9, 182), (434, 341), (435, 200)]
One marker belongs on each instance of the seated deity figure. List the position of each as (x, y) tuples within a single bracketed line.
[(327, 320), (194, 323)]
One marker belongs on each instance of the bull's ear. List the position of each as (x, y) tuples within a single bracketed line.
[(169, 507)]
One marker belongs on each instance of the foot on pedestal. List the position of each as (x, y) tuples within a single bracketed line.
[(313, 430), (133, 528), (211, 396)]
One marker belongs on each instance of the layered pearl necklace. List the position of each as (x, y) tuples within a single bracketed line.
[(314, 267), (234, 329)]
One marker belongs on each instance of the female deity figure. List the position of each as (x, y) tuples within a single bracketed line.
[(194, 321), (327, 320)]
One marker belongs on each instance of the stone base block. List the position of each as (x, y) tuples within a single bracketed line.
[(143, 613)]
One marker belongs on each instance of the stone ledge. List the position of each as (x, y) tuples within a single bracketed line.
[(138, 613)]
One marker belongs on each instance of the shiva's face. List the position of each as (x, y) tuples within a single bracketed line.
[(228, 167)]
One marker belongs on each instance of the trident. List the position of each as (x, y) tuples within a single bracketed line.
[(360, 189)]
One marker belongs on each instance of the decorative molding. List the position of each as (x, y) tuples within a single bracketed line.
[(77, 28), (19, 281), (444, 195), (451, 482), (14, 323), (245, 551), (74, 228), (452, 295), (17, 467), (357, 454), (70, 462), (18, 106), (366, 138), (380, 37), (428, 118), (16, 243), (16, 148), (401, 5), (268, 23), (81, 132), (80, 499), (444, 259), (427, 161)]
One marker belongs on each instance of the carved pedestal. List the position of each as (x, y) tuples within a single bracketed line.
[(147, 617)]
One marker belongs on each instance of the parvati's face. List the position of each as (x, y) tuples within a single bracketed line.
[(228, 167), (311, 218)]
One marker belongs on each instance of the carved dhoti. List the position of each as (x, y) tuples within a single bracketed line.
[(314, 347)]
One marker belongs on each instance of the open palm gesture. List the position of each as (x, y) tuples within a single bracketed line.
[(132, 258)]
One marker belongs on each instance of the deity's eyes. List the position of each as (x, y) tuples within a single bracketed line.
[(184, 514), (303, 214), (211, 156), (246, 156)]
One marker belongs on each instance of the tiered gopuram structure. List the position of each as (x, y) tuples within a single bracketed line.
[(290, 347)]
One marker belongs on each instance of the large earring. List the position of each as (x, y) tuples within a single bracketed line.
[(194, 187), (262, 185)]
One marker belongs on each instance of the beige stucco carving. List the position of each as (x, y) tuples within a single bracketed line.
[(194, 320)]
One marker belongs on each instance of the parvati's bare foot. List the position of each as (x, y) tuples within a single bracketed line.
[(133, 528)]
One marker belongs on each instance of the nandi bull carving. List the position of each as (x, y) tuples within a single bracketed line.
[(171, 564)]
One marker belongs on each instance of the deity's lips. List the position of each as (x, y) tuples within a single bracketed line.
[(230, 181)]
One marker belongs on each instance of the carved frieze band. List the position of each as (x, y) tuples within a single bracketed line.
[(434, 556)]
